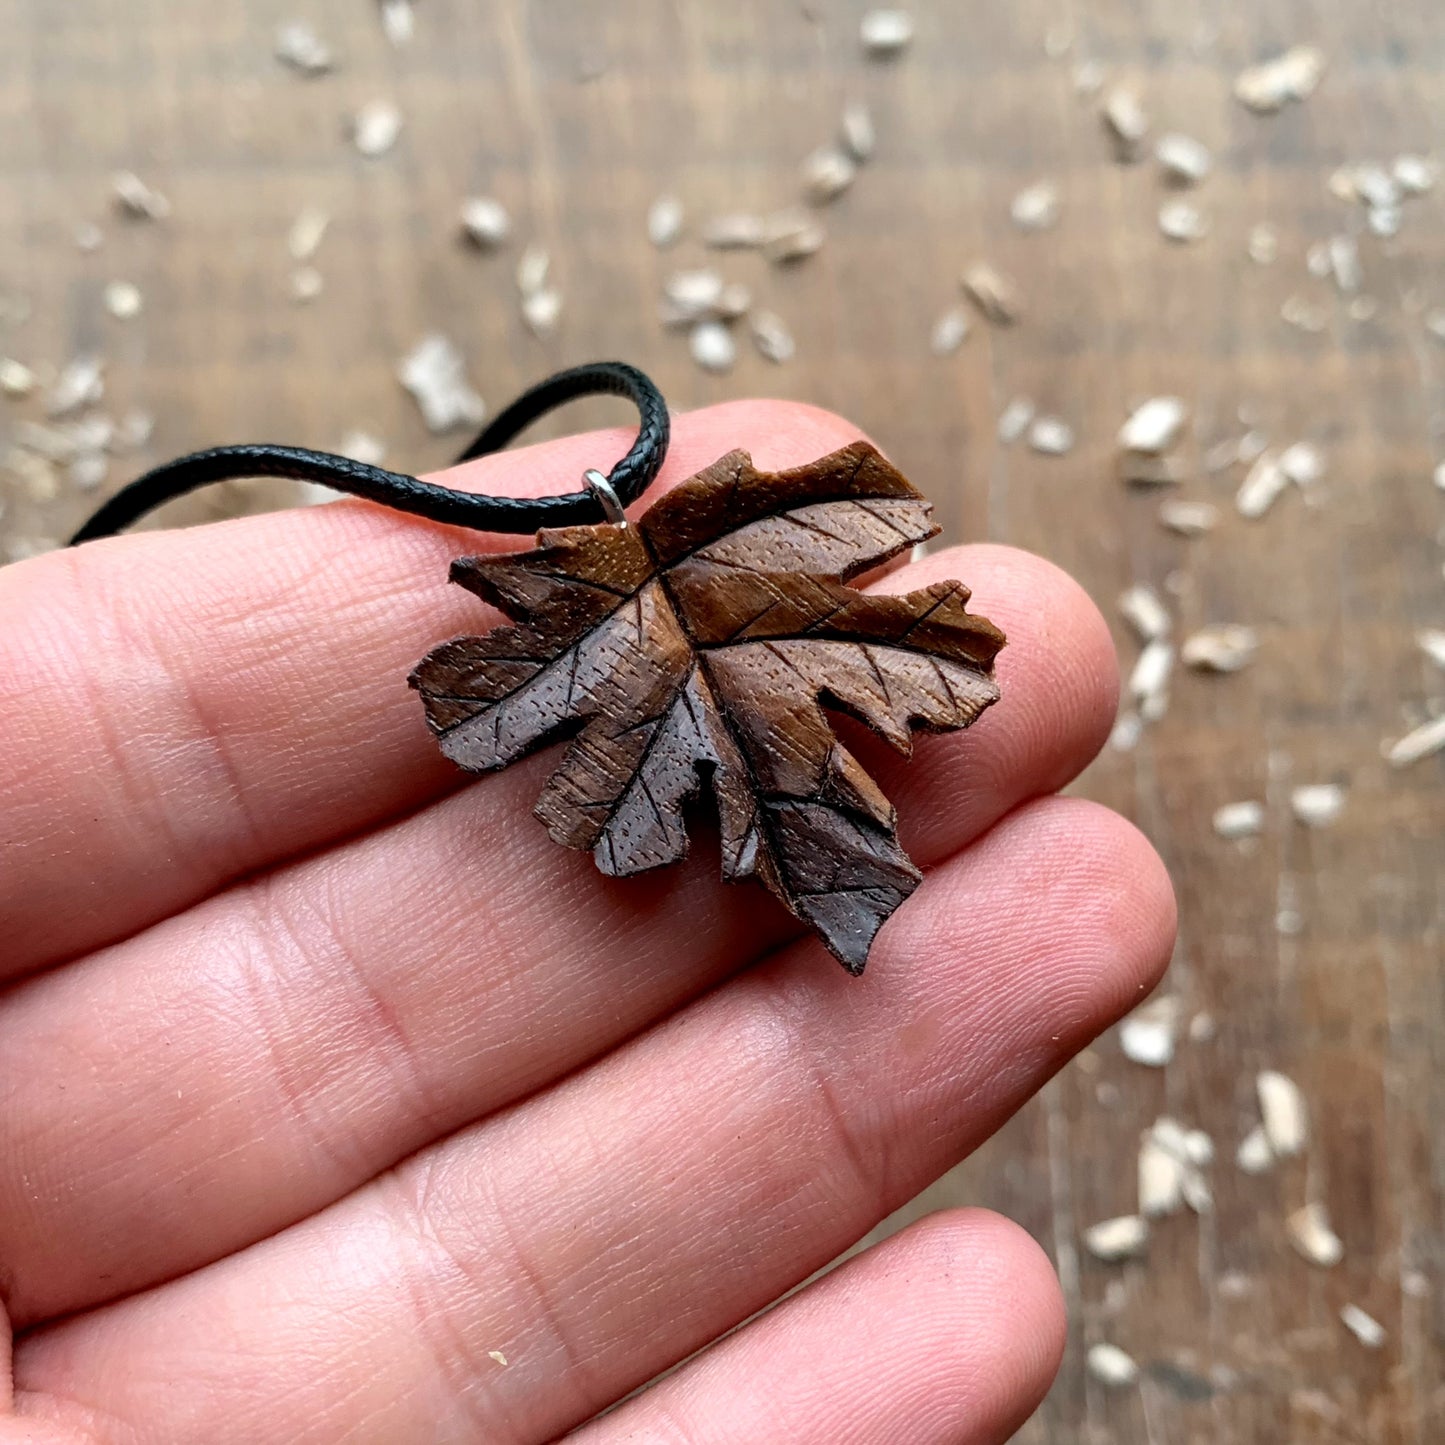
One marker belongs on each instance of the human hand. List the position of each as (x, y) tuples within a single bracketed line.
[(339, 1103)]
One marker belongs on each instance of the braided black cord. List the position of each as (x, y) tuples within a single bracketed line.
[(629, 478)]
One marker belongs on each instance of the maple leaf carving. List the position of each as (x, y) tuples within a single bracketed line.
[(701, 646)]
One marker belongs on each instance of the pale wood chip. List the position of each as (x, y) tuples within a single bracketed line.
[(1421, 742), (1182, 221), (498, 1356), (886, 32), (1226, 648), (690, 296), (1183, 160), (995, 294), (1270, 86), (1303, 463), (1036, 207), (735, 231), (827, 173), (950, 331), (542, 310), (81, 383), (485, 222), (771, 336), (533, 268), (307, 283), (1254, 1155), (1051, 436), (1244, 819), (376, 127), (299, 46), (712, 346), (1261, 488), (89, 237), (1431, 640), (88, 471), (1343, 253), (1155, 426), (1317, 805), (792, 236), (1364, 1327), (1127, 731), (1415, 175), (1282, 1107), (1147, 1036), (1149, 681), (665, 219), (1014, 420), (1126, 121), (1161, 1179), (135, 198), (123, 300), (1310, 1233), (16, 379), (435, 375), (362, 446), (1111, 1366), (398, 21), (1263, 244), (1188, 519), (1144, 612), (307, 232), (735, 302), (1088, 78), (859, 134), (132, 433), (1116, 1239)]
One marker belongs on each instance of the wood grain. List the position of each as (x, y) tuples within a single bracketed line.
[(577, 115)]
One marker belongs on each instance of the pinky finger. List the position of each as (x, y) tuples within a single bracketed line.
[(947, 1334)]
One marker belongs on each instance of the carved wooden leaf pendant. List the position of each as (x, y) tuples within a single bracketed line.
[(702, 645)]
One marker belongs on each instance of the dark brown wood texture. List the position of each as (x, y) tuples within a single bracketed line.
[(577, 114), (699, 646)]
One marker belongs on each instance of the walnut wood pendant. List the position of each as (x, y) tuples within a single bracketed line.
[(701, 647)]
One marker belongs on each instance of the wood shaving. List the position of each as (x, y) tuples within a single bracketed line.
[(308, 230), (1239, 820), (1364, 1327), (995, 295), (398, 21), (1226, 648), (1126, 121), (88, 471), (1343, 255), (1116, 1239), (533, 268), (792, 236), (35, 473), (307, 283), (485, 222), (1268, 87), (376, 128), (80, 384), (1282, 1107), (690, 296), (771, 337), (1415, 175), (1303, 464), (1183, 160), (738, 231), (1128, 730), (132, 433), (1014, 420), (827, 173), (665, 219), (498, 1356), (1155, 426), (300, 47), (1431, 640), (1421, 742), (123, 300), (134, 198), (362, 446), (1036, 207), (1144, 612), (950, 331), (1111, 1366), (542, 310), (1188, 519), (1317, 805), (16, 379), (1254, 1155), (860, 137), (1310, 1233), (1439, 477), (712, 346), (1051, 436), (735, 302), (1263, 244), (1147, 1036), (886, 32), (1183, 222), (1383, 221), (435, 375), (1261, 488), (1149, 681)]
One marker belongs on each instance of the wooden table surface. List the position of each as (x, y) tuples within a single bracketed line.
[(577, 114)]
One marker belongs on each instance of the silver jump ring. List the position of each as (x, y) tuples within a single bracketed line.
[(602, 489)]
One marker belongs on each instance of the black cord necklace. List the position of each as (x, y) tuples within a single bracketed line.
[(605, 495), (696, 649)]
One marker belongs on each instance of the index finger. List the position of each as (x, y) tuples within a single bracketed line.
[(181, 708)]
